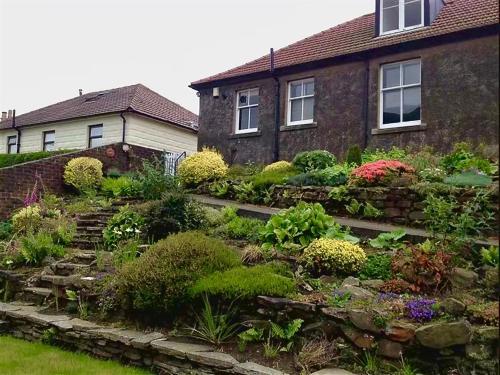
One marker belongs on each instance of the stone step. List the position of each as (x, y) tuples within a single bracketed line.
[(97, 215), (84, 257), (90, 223), (85, 244), (91, 229), (35, 295), (66, 282), (67, 269)]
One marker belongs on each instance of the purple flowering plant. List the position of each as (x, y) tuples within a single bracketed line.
[(421, 310)]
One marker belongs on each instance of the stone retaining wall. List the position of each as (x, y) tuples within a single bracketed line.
[(151, 350)]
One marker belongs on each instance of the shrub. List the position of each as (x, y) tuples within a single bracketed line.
[(377, 266), (27, 219), (125, 252), (124, 225), (432, 174), (468, 179), (279, 166), (159, 279), (266, 179), (293, 229), (121, 187), (331, 176), (36, 247), (327, 256), (7, 160), (354, 155), (244, 282), (83, 173), (242, 228), (379, 172), (313, 160), (394, 153), (490, 256), (61, 229), (153, 180), (462, 159), (206, 165), (6, 229), (175, 212)]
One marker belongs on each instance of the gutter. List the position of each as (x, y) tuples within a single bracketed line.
[(366, 100), (124, 126), (277, 99), (18, 146)]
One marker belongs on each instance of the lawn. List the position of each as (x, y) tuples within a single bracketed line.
[(18, 357)]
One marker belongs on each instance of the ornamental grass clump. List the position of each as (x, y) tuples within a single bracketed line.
[(206, 165), (379, 172), (83, 173), (329, 256)]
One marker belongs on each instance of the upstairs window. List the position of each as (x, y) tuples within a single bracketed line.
[(400, 94), (400, 15), (247, 116), (301, 102), (12, 144), (95, 135), (49, 140)]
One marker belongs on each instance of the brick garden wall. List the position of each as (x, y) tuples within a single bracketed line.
[(16, 181)]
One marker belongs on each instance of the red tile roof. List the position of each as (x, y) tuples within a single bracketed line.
[(136, 98), (359, 35)]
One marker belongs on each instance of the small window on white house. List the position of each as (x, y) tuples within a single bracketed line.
[(301, 102), (247, 115), (400, 95), (12, 144), (49, 140), (95, 135), (400, 15)]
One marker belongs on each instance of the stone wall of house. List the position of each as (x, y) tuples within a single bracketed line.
[(459, 103), (16, 181)]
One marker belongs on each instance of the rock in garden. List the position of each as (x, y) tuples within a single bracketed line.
[(400, 331), (356, 292), (453, 306), (483, 334), (351, 281), (361, 339), (390, 349), (363, 320), (442, 335), (462, 278), (335, 313), (332, 371), (373, 284)]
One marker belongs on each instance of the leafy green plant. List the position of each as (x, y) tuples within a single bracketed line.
[(339, 300), (266, 179), (48, 336), (389, 240), (339, 193), (293, 229), (7, 160), (246, 283), (241, 228), (354, 155), (124, 225), (245, 192), (219, 189), (331, 176), (371, 212), (250, 335), (468, 179), (370, 155), (286, 334), (377, 266), (337, 232), (80, 300), (123, 186), (36, 247), (214, 326), (489, 256), (353, 207), (125, 252), (371, 363), (313, 160), (6, 230), (204, 166), (154, 181), (404, 368), (462, 159)]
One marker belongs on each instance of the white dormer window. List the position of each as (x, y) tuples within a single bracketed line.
[(401, 15)]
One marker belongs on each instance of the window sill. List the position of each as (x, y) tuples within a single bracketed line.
[(401, 129), (286, 128), (245, 135)]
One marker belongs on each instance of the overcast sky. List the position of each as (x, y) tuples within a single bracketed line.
[(51, 48)]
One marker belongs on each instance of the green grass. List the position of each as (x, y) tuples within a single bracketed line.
[(18, 357)]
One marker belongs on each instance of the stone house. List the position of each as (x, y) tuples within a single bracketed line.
[(414, 73), (134, 115)]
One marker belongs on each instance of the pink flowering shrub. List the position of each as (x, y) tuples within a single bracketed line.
[(379, 172)]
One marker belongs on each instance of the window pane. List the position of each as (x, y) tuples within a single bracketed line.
[(11, 140), (391, 19), (243, 99), (49, 147), (392, 107), (390, 3), (296, 111), (244, 115), (308, 109), (413, 13), (309, 88), (295, 89), (411, 73), (95, 142), (50, 137), (254, 117), (391, 76), (96, 131), (411, 104), (254, 97)]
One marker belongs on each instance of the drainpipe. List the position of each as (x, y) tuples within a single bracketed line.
[(18, 131), (366, 103), (276, 150), (124, 124)]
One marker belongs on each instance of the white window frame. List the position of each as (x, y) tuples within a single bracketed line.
[(289, 121), (45, 143), (401, 87), (401, 7), (237, 129), (9, 145)]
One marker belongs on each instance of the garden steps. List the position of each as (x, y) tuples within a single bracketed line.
[(359, 227), (68, 269), (36, 295)]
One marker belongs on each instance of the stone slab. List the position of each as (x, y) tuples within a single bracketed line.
[(144, 341), (332, 371), (179, 349), (251, 368), (46, 319), (213, 359), (21, 313), (83, 325), (4, 307)]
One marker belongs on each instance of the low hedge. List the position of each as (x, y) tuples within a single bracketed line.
[(7, 160)]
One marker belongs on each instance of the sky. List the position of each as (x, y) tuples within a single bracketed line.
[(51, 48)]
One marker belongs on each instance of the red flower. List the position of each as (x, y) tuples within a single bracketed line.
[(377, 170)]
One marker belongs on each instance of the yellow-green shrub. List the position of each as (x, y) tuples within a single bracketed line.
[(206, 165), (279, 166), (326, 256), (27, 219), (83, 173)]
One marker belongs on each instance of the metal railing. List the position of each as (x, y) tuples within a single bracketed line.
[(172, 161)]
